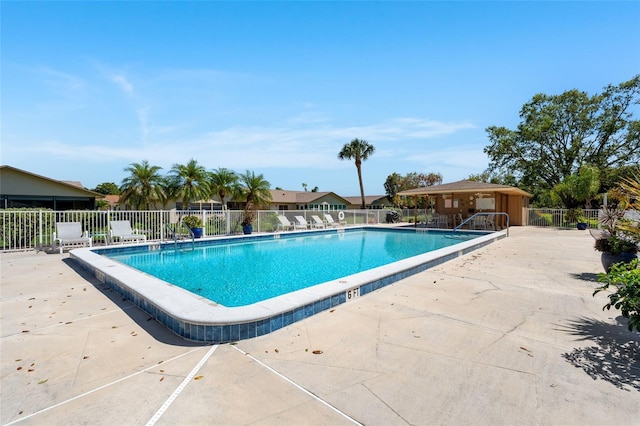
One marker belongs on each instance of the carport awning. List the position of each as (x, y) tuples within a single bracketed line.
[(463, 186)]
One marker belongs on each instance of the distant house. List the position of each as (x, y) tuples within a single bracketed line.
[(465, 197), (371, 202), (282, 199), (113, 201), (19, 188)]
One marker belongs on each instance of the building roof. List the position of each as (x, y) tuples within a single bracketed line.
[(74, 185), (301, 197), (369, 199), (464, 186), (112, 199)]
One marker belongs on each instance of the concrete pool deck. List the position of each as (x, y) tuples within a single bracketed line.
[(508, 334)]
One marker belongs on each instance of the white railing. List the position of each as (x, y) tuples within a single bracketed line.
[(555, 218), (27, 229)]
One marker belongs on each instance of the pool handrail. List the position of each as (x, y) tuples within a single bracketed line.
[(472, 217), (173, 233)]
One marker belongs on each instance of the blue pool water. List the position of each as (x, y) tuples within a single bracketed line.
[(241, 273)]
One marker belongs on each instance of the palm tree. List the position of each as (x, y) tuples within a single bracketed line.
[(222, 182), (630, 191), (169, 191), (360, 150), (256, 192), (143, 186), (190, 181)]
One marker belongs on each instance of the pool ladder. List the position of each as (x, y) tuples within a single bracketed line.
[(173, 232)]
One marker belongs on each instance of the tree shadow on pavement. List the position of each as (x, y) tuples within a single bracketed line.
[(586, 276), (614, 356)]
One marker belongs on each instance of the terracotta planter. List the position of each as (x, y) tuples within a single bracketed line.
[(609, 259)]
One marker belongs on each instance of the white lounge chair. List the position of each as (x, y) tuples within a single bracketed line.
[(477, 222), (121, 231), (69, 234), (330, 221), (317, 222), (491, 223), (286, 225), (483, 222), (432, 221), (302, 222)]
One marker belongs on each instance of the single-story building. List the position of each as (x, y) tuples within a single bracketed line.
[(464, 198), (370, 202), (282, 199), (20, 189)]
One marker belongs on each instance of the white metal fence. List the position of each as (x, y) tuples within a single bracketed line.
[(31, 229), (555, 218)]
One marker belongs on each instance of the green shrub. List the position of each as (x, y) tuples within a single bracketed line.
[(192, 222), (20, 227), (625, 277), (574, 216), (615, 245)]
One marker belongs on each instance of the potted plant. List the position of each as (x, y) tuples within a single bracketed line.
[(615, 242), (247, 222), (255, 190), (194, 223), (576, 216), (615, 249)]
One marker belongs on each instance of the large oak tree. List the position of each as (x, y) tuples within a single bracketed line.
[(396, 183), (558, 134)]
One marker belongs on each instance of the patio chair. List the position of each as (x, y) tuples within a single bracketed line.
[(481, 222), (121, 231), (69, 234), (317, 222), (330, 221), (286, 225), (491, 223), (432, 221), (302, 222)]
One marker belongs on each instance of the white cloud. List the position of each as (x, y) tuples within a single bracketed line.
[(281, 147), (124, 84)]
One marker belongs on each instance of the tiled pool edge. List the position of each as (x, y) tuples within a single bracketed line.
[(202, 320)]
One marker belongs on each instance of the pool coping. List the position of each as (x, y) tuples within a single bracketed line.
[(196, 318)]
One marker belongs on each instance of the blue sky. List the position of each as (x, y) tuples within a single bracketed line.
[(279, 87)]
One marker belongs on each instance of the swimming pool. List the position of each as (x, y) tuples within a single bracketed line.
[(196, 317), (246, 272)]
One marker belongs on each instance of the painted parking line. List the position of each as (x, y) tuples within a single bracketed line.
[(181, 387), (312, 395), (100, 388)]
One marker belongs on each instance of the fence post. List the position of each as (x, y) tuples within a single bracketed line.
[(162, 225), (204, 223), (40, 228)]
